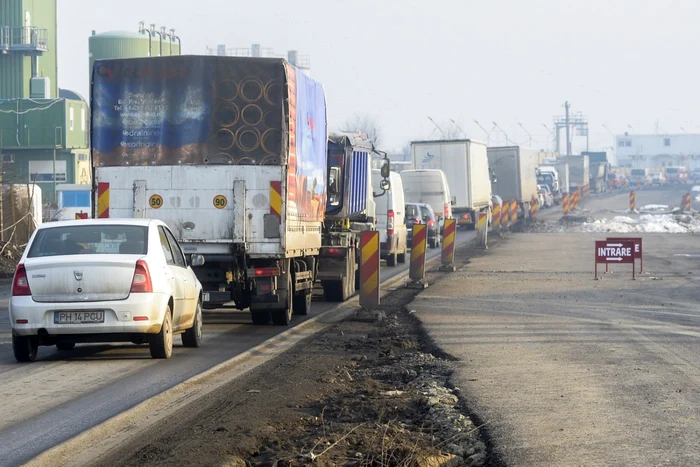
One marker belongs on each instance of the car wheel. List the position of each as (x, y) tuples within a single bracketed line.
[(402, 257), (192, 337), (161, 344), (64, 346), (25, 348), (391, 260)]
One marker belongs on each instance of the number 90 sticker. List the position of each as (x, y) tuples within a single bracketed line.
[(220, 201), (155, 201)]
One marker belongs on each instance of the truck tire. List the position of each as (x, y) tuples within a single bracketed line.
[(260, 318), (65, 346), (161, 344), (283, 316), (25, 348), (302, 304), (391, 260), (402, 256)]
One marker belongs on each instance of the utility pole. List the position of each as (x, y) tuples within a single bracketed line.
[(568, 134)]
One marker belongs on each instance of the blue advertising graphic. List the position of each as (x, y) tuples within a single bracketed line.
[(311, 141), (188, 110)]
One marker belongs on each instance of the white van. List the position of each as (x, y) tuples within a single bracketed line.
[(428, 186), (391, 214)]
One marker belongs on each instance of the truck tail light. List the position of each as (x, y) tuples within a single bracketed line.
[(267, 272), (20, 286), (390, 222), (334, 252), (446, 210), (141, 283)]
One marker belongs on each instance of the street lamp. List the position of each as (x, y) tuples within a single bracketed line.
[(501, 129), (528, 134)]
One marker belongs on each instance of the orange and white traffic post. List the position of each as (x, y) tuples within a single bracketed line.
[(686, 205), (369, 270), (633, 201), (448, 246), (533, 208), (513, 211), (416, 271), (496, 217), (482, 229)]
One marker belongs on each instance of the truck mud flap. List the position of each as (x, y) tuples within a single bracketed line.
[(271, 226)]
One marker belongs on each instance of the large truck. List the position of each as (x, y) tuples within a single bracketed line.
[(599, 167), (516, 175), (466, 167), (579, 171), (231, 153), (350, 210)]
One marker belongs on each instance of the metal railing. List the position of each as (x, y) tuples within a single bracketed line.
[(24, 39)]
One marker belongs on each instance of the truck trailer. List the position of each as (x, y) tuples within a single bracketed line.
[(516, 175), (579, 171), (466, 167), (231, 153)]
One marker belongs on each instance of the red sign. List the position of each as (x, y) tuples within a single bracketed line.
[(637, 248), (614, 252)]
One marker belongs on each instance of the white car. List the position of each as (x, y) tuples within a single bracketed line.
[(546, 199), (104, 280)]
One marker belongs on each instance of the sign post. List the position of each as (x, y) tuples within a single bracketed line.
[(633, 203), (565, 203), (637, 248), (607, 252), (416, 271), (448, 246), (369, 270)]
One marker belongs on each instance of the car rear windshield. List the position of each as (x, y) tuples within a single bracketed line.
[(90, 240), (638, 172), (671, 171)]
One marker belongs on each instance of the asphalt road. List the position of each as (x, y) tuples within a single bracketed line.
[(64, 393), (566, 370)]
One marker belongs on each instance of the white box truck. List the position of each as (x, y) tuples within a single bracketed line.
[(466, 167), (515, 170)]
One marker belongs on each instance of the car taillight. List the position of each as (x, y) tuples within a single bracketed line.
[(416, 220), (141, 282), (20, 286), (431, 223), (390, 222), (447, 210)]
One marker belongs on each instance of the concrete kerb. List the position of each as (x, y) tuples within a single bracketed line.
[(103, 439)]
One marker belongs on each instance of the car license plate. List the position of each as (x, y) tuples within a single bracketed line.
[(78, 317), (205, 297)]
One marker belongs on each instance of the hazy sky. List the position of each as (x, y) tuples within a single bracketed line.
[(619, 62)]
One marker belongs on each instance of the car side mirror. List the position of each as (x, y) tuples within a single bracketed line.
[(453, 201), (197, 260)]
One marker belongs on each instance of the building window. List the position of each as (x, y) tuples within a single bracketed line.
[(667, 141), (42, 171), (75, 199), (82, 157), (82, 119), (628, 143), (624, 143), (71, 119)]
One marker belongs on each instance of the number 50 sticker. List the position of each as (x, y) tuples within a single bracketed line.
[(155, 201), (220, 201)]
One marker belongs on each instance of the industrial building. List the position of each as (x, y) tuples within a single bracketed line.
[(302, 62), (658, 150)]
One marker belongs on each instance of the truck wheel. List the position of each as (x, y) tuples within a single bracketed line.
[(283, 316), (260, 318), (333, 290), (391, 260), (302, 304), (25, 348), (161, 344)]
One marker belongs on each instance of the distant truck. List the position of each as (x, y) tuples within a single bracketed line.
[(562, 176), (599, 169), (465, 164), (231, 153), (350, 210), (516, 175), (579, 171)]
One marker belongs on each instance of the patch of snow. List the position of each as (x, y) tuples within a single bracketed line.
[(648, 223), (655, 207), (695, 188)]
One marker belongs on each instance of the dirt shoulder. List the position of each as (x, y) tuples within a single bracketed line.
[(363, 393), (566, 370)]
